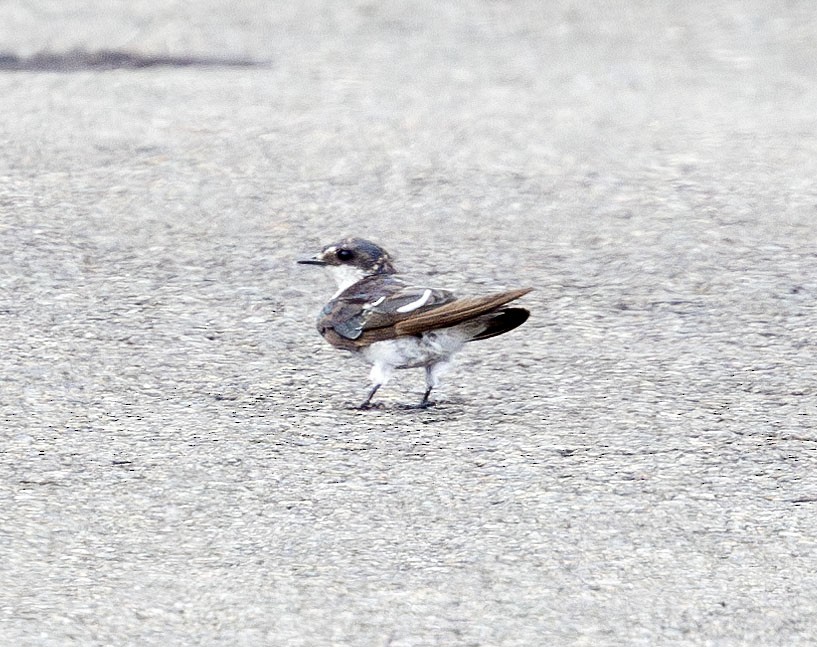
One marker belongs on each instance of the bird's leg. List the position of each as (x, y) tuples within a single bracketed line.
[(379, 375), (433, 372), (432, 379), (367, 403), (424, 403)]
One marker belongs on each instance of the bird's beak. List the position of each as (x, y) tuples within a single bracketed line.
[(312, 260)]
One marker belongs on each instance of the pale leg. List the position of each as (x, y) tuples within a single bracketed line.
[(379, 375)]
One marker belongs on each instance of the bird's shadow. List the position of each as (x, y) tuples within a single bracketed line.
[(437, 406)]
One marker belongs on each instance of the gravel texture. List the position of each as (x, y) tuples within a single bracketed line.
[(637, 465)]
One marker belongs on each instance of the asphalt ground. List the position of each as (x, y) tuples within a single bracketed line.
[(636, 465)]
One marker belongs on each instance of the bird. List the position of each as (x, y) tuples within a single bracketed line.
[(391, 323)]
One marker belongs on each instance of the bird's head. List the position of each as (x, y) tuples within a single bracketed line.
[(351, 260)]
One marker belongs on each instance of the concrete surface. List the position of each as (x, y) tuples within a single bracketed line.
[(637, 465)]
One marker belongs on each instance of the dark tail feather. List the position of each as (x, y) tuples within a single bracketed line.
[(502, 321)]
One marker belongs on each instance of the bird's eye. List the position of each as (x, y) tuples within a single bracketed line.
[(344, 254)]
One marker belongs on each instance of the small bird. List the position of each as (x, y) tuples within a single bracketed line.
[(392, 324)]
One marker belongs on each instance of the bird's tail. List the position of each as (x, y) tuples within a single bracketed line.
[(501, 321)]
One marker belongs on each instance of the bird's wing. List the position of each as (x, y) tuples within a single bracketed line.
[(369, 313), (360, 317), (455, 312)]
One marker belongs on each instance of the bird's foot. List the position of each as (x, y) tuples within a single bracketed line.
[(425, 404), (366, 406), (367, 403)]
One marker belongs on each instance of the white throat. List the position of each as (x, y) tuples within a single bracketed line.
[(345, 276)]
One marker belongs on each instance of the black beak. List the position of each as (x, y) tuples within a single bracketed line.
[(314, 260)]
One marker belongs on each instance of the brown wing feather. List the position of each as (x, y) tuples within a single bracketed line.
[(456, 312)]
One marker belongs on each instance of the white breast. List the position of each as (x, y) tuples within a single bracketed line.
[(345, 276)]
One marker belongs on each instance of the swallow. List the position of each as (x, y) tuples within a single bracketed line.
[(392, 324)]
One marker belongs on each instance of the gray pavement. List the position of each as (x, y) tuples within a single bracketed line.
[(637, 465)]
